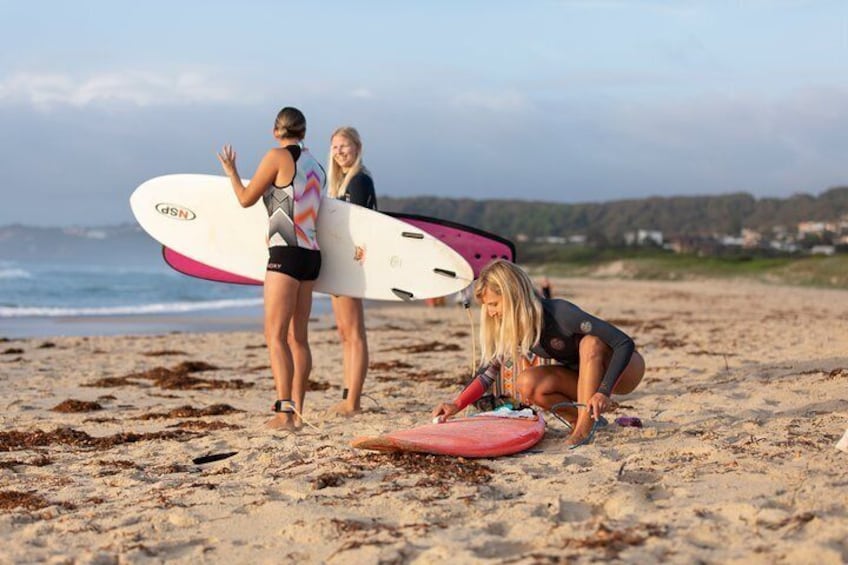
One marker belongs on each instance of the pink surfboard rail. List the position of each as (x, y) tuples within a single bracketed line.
[(477, 436), (476, 246), (192, 268)]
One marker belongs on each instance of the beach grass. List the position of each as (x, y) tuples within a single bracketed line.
[(813, 271)]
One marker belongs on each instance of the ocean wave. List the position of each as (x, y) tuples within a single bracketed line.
[(134, 310), (13, 273)]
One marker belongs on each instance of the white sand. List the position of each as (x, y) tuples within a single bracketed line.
[(745, 398)]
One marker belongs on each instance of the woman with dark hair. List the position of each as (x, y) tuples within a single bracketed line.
[(289, 180)]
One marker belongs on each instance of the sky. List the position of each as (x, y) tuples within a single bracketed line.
[(552, 100)]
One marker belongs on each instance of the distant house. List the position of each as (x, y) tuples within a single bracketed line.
[(731, 240), (693, 244), (823, 250), (554, 239), (815, 228), (751, 238), (787, 246), (644, 237)]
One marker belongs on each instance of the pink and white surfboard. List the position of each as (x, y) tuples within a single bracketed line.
[(476, 246)]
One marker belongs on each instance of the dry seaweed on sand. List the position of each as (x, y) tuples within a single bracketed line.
[(74, 406), (374, 532), (204, 426), (176, 378), (16, 440), (15, 500), (334, 478), (388, 365), (187, 411), (613, 541), (438, 469), (425, 347)]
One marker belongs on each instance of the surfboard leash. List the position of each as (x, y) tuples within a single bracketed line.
[(304, 420), (467, 305)]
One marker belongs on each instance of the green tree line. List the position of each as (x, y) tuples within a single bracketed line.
[(607, 222)]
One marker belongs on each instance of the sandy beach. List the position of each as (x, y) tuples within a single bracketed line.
[(744, 400)]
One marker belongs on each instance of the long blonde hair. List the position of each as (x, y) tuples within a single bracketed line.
[(337, 180), (519, 327)]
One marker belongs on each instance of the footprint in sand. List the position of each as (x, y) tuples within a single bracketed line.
[(573, 511), (628, 501)]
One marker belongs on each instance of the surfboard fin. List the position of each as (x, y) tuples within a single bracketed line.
[(445, 272), (402, 294)]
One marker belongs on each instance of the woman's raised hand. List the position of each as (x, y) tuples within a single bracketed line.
[(227, 157)]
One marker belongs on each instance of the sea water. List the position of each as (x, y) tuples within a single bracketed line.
[(44, 299)]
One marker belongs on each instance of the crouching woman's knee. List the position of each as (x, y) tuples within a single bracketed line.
[(528, 385)]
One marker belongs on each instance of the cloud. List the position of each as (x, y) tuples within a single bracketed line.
[(46, 91)]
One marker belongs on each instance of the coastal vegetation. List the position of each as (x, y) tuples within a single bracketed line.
[(654, 264), (607, 223), (591, 239)]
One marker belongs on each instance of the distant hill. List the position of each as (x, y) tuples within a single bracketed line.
[(677, 215)]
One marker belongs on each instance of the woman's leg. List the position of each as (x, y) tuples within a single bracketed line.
[(350, 321), (594, 360), (545, 386), (298, 340), (280, 295)]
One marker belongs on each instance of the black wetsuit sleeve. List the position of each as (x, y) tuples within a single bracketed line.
[(573, 320), (360, 191)]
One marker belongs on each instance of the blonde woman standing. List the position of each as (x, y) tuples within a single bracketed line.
[(349, 180), (289, 181), (593, 359)]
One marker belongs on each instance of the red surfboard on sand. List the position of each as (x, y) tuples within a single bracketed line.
[(476, 246), (477, 436)]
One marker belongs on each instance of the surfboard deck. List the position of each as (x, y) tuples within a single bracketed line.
[(198, 217), (476, 246), (472, 437)]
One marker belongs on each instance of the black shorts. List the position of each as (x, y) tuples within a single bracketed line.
[(297, 262)]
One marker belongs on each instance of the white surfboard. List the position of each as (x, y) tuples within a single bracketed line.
[(199, 217)]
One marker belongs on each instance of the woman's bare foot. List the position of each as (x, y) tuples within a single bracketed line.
[(283, 421), (581, 433), (343, 408)]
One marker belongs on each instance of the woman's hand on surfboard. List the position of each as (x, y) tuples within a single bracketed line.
[(444, 411)]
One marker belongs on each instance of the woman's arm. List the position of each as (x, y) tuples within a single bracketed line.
[(471, 393)]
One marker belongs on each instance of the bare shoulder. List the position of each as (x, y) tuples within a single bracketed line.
[(279, 154)]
